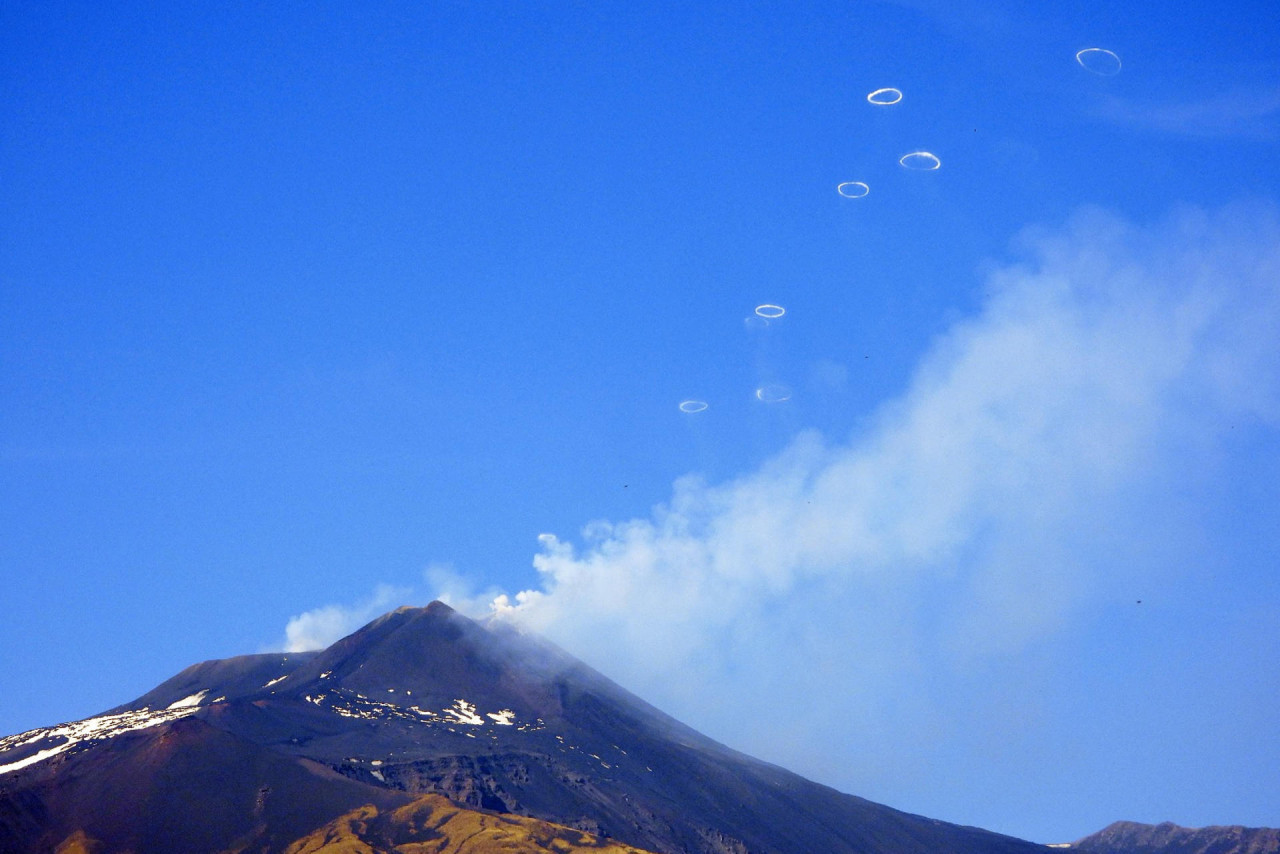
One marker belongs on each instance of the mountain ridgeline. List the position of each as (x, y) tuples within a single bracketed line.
[(1131, 837), (424, 731)]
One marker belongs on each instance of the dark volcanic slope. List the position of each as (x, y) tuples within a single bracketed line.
[(423, 700), (178, 786), (1130, 837), (229, 677)]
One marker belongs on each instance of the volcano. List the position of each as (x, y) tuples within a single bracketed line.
[(420, 721)]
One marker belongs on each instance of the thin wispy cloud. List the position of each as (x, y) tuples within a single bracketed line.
[(1242, 113)]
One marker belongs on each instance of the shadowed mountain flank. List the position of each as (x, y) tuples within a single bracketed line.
[(179, 786)]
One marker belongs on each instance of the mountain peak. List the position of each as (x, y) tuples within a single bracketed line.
[(406, 614), (434, 608), (407, 643)]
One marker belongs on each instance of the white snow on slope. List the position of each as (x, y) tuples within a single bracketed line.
[(52, 741), (349, 704), (463, 712), (93, 729), (190, 702)]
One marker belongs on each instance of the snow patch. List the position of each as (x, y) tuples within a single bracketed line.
[(192, 701), (277, 679), (503, 718), (463, 712), (35, 757), (67, 736)]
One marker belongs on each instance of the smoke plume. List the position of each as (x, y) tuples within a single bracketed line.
[(902, 603), (1046, 459)]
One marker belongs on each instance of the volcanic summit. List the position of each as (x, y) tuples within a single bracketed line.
[(280, 752)]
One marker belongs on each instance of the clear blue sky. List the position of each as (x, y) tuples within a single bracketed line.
[(307, 311)]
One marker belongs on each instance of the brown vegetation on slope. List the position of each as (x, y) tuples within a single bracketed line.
[(434, 825)]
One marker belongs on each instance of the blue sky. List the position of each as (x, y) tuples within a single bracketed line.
[(308, 312)]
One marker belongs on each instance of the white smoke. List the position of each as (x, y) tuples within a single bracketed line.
[(1043, 460), (317, 628)]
